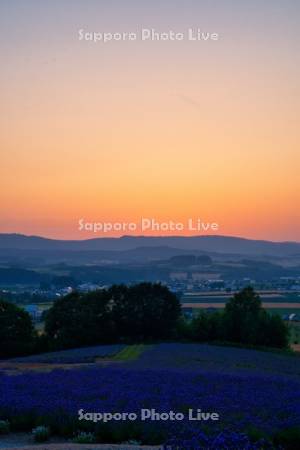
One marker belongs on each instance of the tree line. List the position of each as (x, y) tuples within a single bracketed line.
[(145, 312), (243, 321)]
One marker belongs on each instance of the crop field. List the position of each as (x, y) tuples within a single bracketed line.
[(253, 392), (79, 355), (282, 304), (267, 305), (194, 297)]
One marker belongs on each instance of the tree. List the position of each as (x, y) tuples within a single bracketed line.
[(241, 316), (246, 322), (145, 311), (207, 326), (277, 332), (121, 313), (16, 330), (272, 331), (63, 321), (80, 319)]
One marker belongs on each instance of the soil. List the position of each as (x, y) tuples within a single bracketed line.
[(23, 441)]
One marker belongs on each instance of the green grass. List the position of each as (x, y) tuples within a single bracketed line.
[(130, 353), (294, 333), (282, 311)]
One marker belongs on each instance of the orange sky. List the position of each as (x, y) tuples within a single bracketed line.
[(167, 130)]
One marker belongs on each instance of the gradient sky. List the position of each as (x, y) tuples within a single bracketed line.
[(169, 130)]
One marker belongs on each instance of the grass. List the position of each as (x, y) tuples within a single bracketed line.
[(282, 311), (130, 353), (294, 333)]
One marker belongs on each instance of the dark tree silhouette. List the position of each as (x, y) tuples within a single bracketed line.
[(16, 330)]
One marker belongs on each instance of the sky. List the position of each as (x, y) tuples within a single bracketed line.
[(171, 130)]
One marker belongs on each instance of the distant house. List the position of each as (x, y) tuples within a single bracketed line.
[(294, 317), (88, 287), (291, 317), (66, 290)]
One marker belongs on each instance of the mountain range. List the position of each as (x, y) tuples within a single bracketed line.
[(215, 244)]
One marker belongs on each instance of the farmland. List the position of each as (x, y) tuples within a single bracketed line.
[(274, 302), (223, 297), (252, 391)]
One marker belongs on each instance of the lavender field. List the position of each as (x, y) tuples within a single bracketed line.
[(78, 355), (255, 394)]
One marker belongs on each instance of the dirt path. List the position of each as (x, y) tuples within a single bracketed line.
[(296, 347), (21, 441), (81, 447), (15, 368)]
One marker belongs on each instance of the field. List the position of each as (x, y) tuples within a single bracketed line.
[(253, 392), (270, 300), (72, 356), (282, 304)]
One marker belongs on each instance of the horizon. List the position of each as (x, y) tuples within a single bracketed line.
[(146, 236)]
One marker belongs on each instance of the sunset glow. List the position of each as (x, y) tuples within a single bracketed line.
[(169, 130)]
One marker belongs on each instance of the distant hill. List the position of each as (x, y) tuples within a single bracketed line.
[(218, 244)]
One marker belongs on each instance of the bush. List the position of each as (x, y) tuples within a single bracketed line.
[(277, 332), (4, 427), (41, 434), (288, 439), (84, 438), (184, 329), (255, 435)]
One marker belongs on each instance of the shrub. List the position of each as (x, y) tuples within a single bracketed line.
[(288, 439), (23, 422), (41, 433), (4, 427), (255, 434), (84, 438), (184, 329), (277, 332)]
